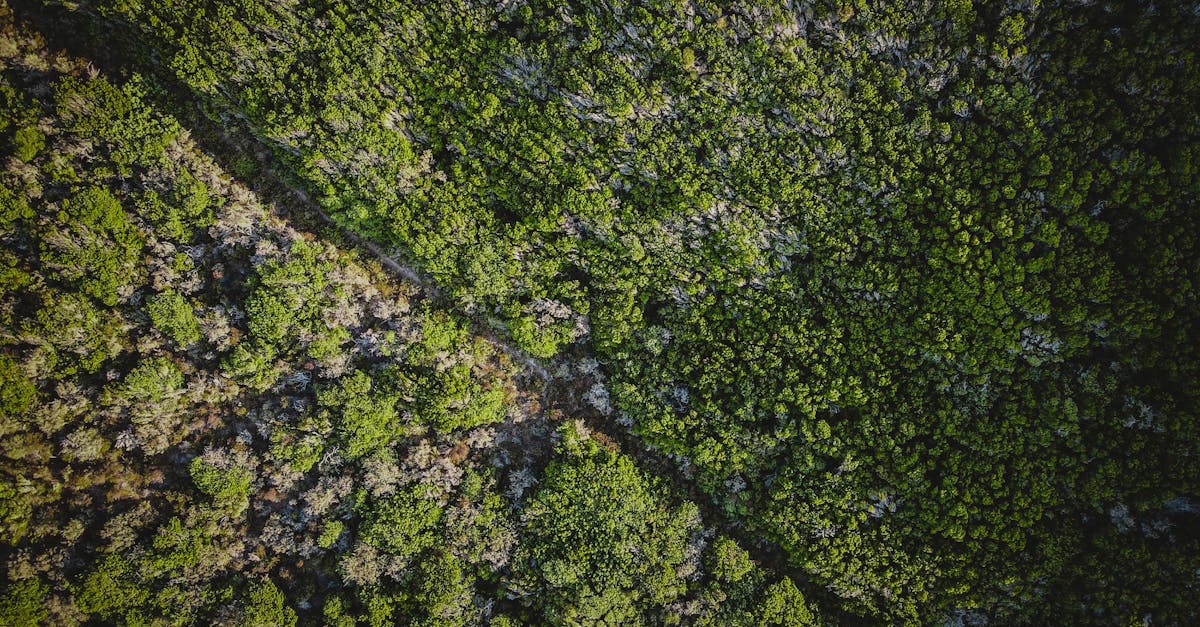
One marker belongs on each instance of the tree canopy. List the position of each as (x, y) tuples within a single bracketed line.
[(633, 312)]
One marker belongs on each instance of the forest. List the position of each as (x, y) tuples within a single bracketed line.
[(611, 312)]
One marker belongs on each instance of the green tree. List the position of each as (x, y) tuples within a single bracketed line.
[(784, 605), (403, 524), (17, 392), (154, 380), (224, 479), (443, 592), (601, 542), (23, 604), (111, 590), (728, 561), (267, 607), (28, 142), (364, 418), (133, 133), (170, 313), (95, 245), (253, 364)]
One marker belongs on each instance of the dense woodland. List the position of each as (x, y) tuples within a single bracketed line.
[(613, 313)]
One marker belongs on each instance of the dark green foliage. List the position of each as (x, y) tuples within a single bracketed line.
[(133, 133), (27, 142), (730, 562), (177, 547), (17, 392), (15, 511), (442, 594), (288, 296), (152, 381), (170, 313), (95, 245), (783, 604), (334, 613), (13, 210), (23, 604), (540, 341), (364, 420), (186, 208), (252, 364), (227, 483), (111, 591), (330, 534), (455, 400), (267, 607), (300, 449), (80, 335), (601, 543), (404, 524)]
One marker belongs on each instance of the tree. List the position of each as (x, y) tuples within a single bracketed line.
[(23, 605), (288, 296), (601, 541), (223, 477), (253, 364), (729, 562), (170, 313), (364, 419), (186, 208), (267, 607), (133, 133), (404, 524), (443, 592), (784, 605), (17, 392), (28, 142), (111, 590), (95, 245), (152, 381)]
